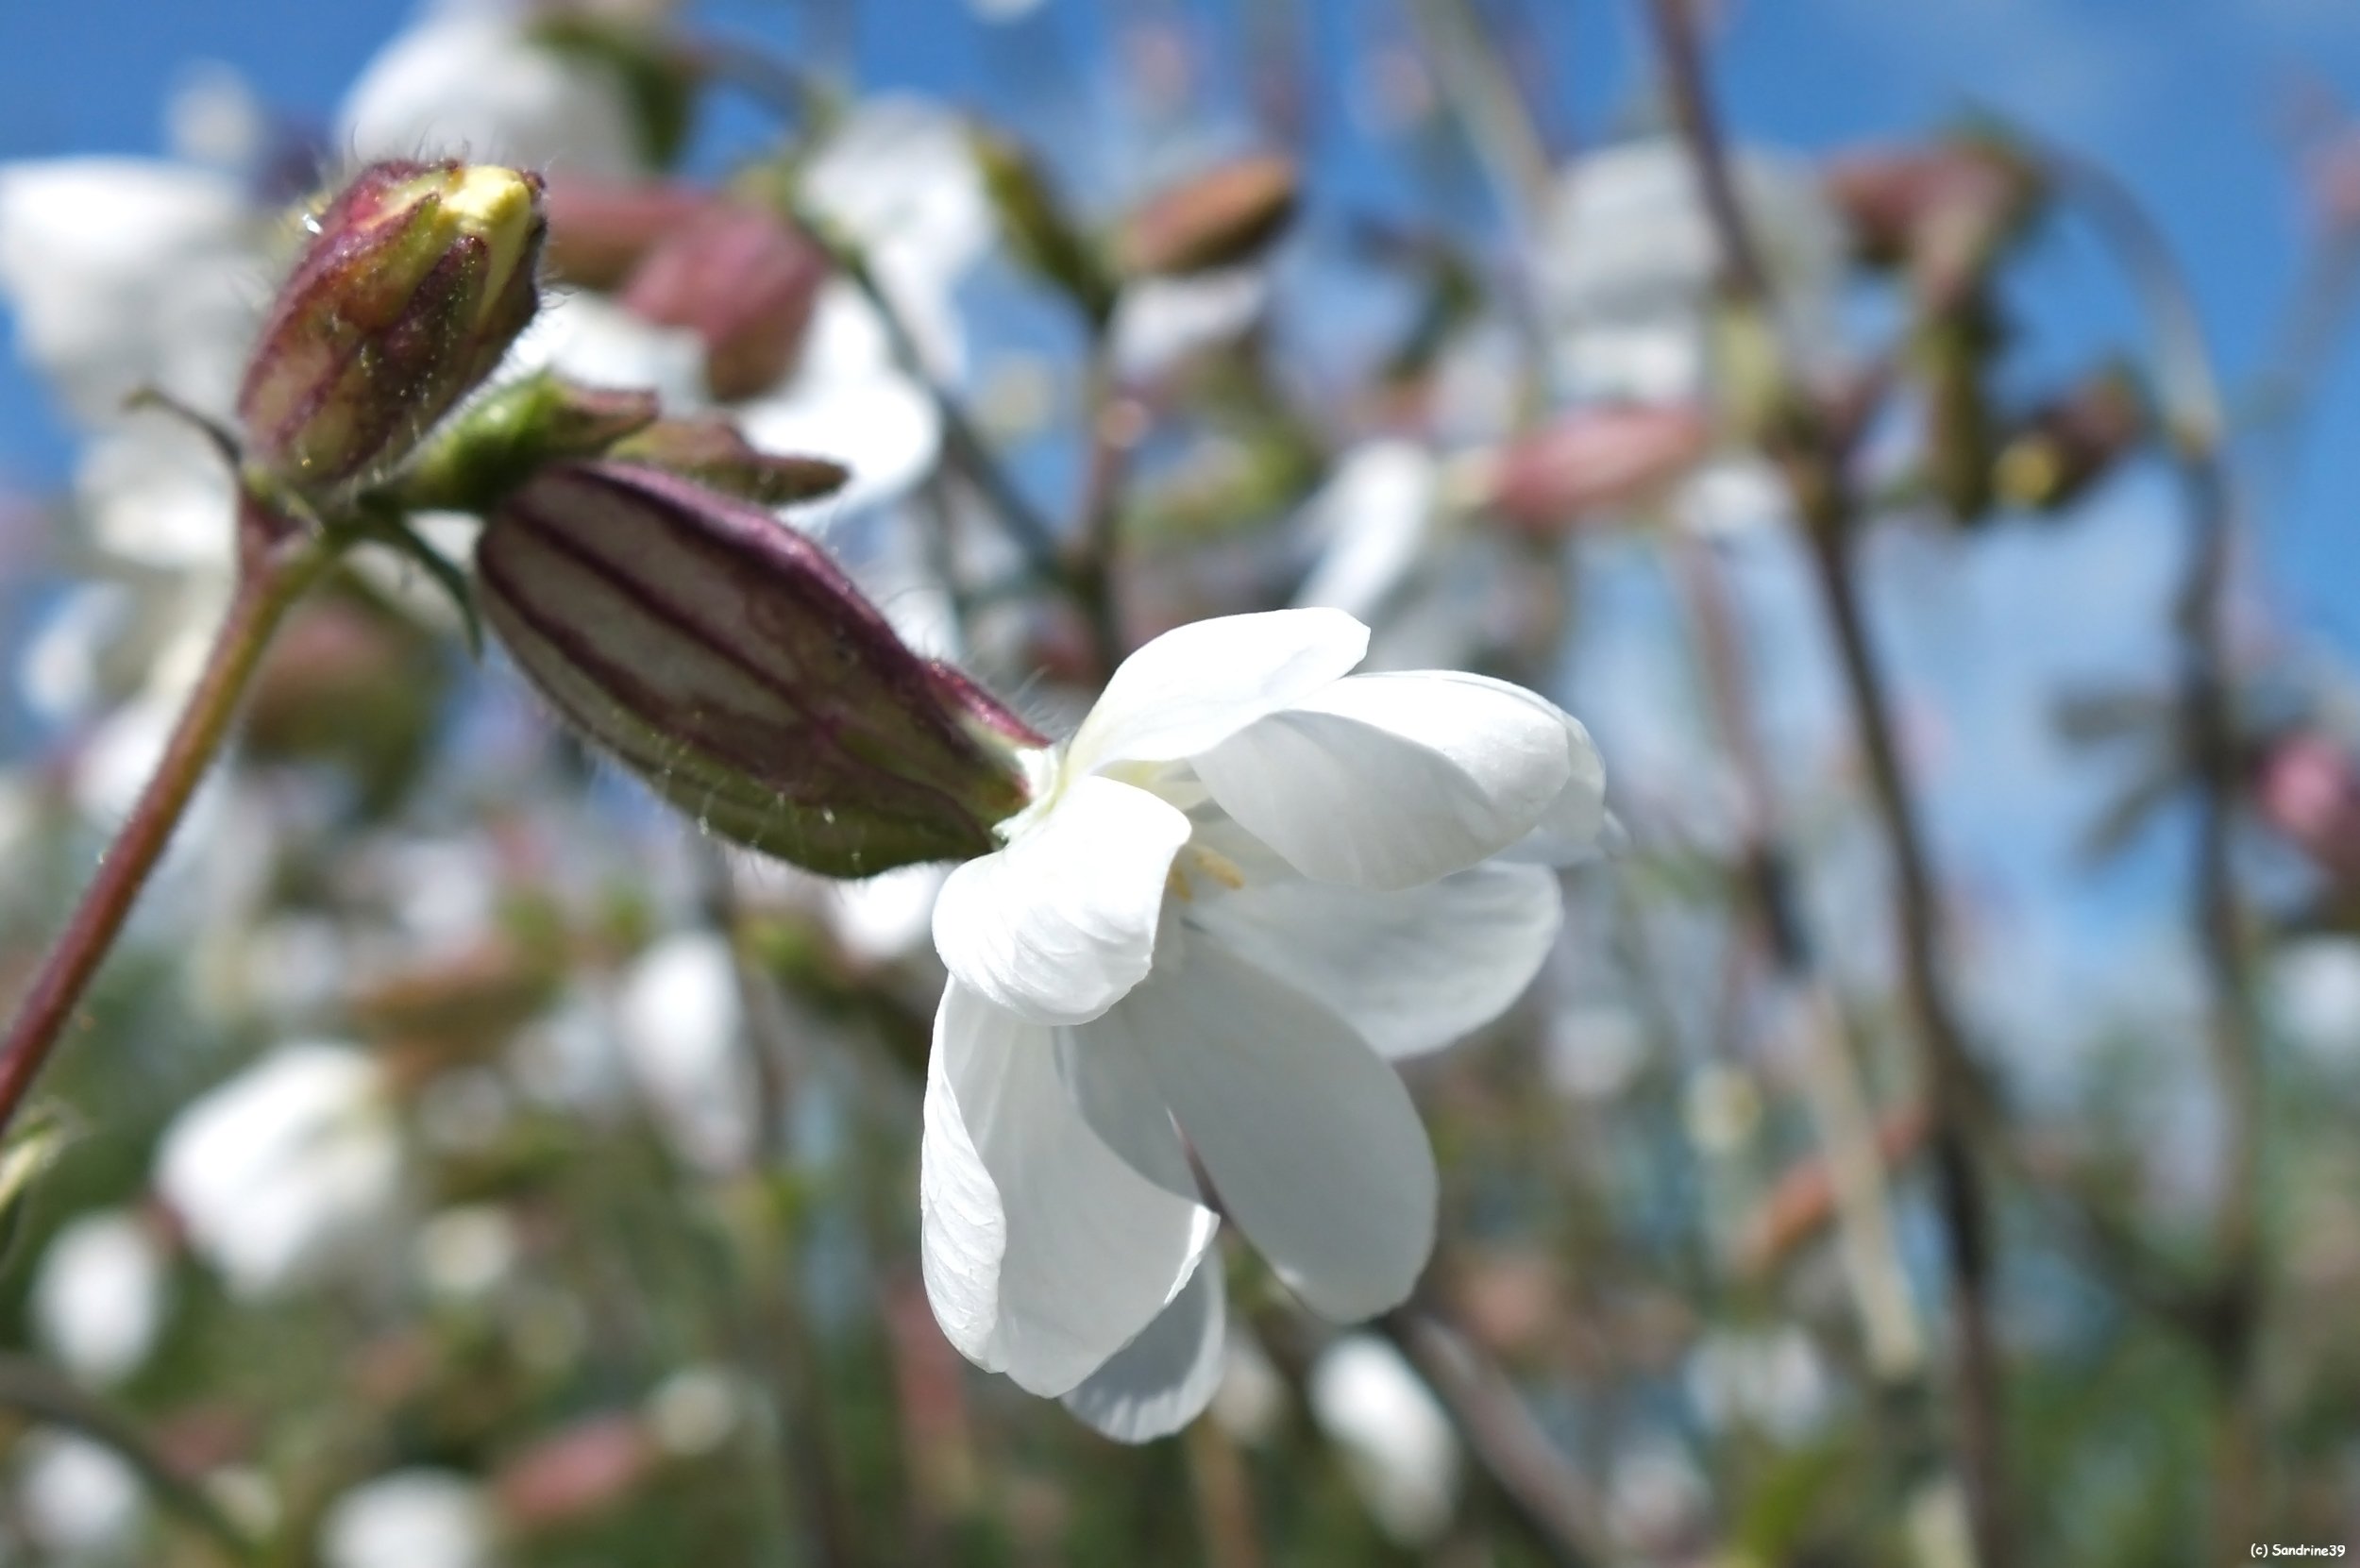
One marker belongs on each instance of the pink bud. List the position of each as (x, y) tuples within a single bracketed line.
[(2309, 790), (575, 1474), (1594, 459), (600, 229), (742, 281)]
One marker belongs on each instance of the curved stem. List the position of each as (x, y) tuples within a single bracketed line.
[(276, 576)]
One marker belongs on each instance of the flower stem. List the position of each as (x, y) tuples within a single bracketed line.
[(1954, 1090), (276, 576)]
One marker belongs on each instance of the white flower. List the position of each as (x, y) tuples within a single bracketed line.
[(1247, 882), (99, 1299), (1397, 1443), (79, 1501), (2317, 982), (1161, 322), (409, 1519), (1627, 260), (1371, 520), (1767, 1378), (287, 1170), (469, 80)]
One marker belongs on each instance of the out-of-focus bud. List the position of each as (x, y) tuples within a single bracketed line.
[(745, 282), (711, 451), (2308, 788), (503, 439), (417, 279), (1591, 459), (1942, 211), (2070, 445), (1224, 216), (351, 682), (576, 1474), (728, 661), (600, 229), (1040, 233)]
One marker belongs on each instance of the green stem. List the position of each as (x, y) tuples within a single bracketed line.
[(275, 577)]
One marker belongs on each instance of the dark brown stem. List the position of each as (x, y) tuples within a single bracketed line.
[(276, 576), (1953, 1088)]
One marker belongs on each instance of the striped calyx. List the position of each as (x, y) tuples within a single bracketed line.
[(416, 280), (726, 660)]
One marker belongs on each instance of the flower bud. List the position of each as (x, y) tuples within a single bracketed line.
[(1039, 230), (710, 450), (504, 437), (600, 229), (1222, 217), (1942, 211), (417, 279), (2308, 788), (2072, 444), (1592, 460), (730, 663), (742, 281)]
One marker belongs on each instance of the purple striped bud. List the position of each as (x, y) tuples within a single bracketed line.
[(417, 279), (734, 667)]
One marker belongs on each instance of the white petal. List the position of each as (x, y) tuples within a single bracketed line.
[(1197, 684), (1390, 780), (1059, 925), (1044, 1253), (883, 428), (1371, 520), (1163, 1379), (1307, 1133), (1412, 970), (469, 82)]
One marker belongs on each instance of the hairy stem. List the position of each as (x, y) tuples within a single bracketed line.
[(275, 577)]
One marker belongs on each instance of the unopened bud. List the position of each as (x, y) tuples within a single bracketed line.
[(727, 659), (1942, 211), (505, 437), (2072, 443), (1038, 229), (2308, 788), (1592, 460), (1221, 218), (602, 230), (709, 450), (417, 279), (743, 282)]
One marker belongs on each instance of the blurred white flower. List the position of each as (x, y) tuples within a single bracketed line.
[(680, 1020), (1251, 1398), (1247, 882), (1627, 258), (1655, 1497), (469, 80), (1371, 521), (1396, 1442), (100, 1298), (409, 1519), (898, 178), (692, 1413), (2316, 983), (885, 916), (464, 1254), (288, 1171), (1160, 321), (79, 1502), (212, 118)]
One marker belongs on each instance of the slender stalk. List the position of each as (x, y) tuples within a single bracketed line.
[(2189, 392), (275, 577), (1953, 1088), (1843, 1118), (1116, 419), (1560, 1509), (29, 1389)]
